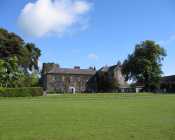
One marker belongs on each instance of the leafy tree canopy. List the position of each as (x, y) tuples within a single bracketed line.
[(17, 60), (9, 72), (144, 64), (11, 45)]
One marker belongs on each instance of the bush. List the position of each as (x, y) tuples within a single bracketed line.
[(21, 92)]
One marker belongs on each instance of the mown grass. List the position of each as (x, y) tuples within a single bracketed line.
[(88, 117)]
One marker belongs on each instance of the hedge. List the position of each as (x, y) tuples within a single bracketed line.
[(21, 92)]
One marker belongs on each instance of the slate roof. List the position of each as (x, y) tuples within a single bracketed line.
[(108, 68), (111, 69), (168, 79), (164, 80), (72, 71)]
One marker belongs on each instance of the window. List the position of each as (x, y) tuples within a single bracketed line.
[(62, 78), (53, 78), (56, 78)]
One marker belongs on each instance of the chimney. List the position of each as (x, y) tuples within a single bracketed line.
[(77, 67), (49, 66)]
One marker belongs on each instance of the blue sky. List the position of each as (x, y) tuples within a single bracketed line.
[(106, 32)]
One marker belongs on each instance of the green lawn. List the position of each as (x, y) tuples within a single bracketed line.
[(88, 117)]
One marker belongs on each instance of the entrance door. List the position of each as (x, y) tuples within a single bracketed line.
[(72, 90)]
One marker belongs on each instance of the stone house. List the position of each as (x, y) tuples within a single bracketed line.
[(167, 84), (109, 79), (63, 80)]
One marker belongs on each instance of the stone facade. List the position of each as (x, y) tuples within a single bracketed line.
[(67, 80), (108, 79), (56, 79)]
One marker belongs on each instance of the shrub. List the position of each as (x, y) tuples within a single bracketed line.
[(21, 92)]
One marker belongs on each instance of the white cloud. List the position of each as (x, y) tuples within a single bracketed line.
[(46, 17), (92, 56)]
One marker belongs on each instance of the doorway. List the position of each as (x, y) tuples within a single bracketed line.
[(72, 90)]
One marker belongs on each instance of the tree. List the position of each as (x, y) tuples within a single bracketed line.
[(10, 44), (144, 64), (105, 82), (30, 57), (27, 54), (9, 72), (27, 80), (17, 60)]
